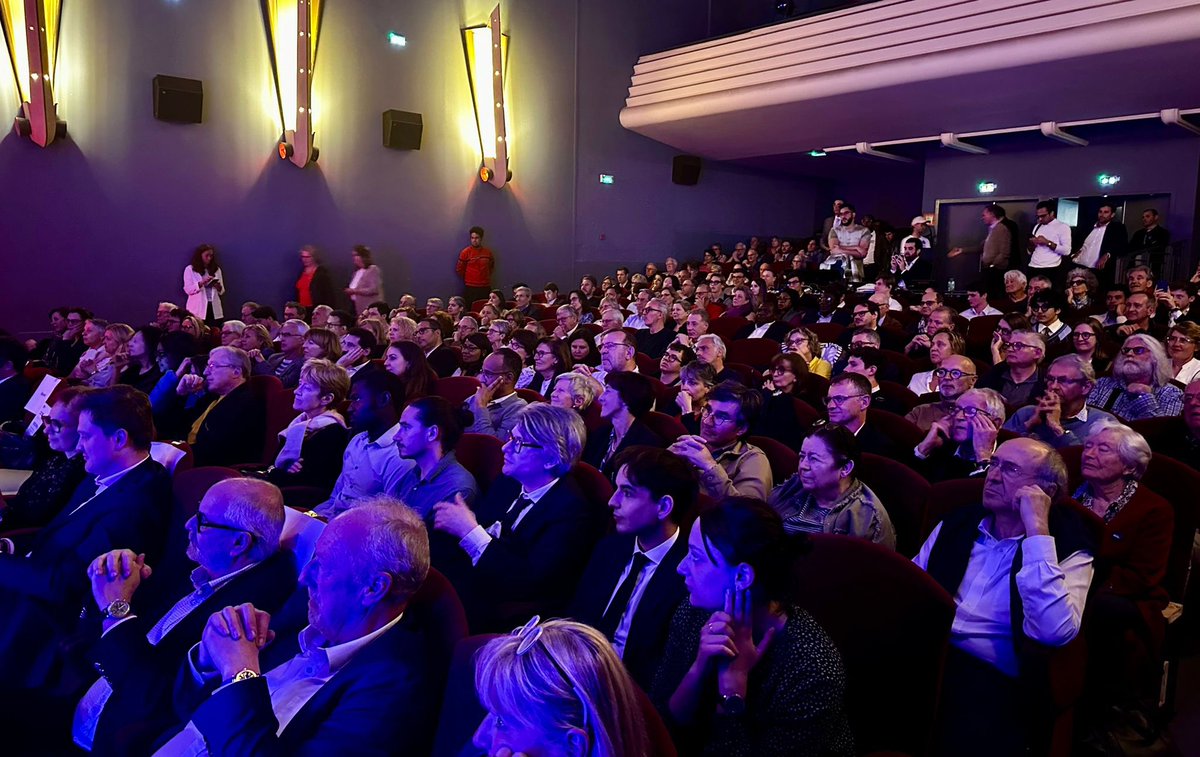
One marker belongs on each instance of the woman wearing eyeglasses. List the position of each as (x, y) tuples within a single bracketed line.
[(670, 367), (474, 348), (942, 345), (746, 671), (961, 444), (557, 688), (549, 362), (1090, 342), (406, 361), (804, 342), (1004, 328), (1182, 339), (55, 476), (1140, 385)]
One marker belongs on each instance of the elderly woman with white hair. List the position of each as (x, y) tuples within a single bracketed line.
[(1128, 595), (1140, 385), (575, 391), (557, 688), (523, 548)]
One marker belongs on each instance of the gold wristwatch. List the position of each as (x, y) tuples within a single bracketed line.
[(245, 674)]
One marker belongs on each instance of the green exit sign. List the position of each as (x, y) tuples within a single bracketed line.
[(606, 178)]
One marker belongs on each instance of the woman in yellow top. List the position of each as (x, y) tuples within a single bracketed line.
[(804, 343)]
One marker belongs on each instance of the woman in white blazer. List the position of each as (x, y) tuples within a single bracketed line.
[(367, 285), (203, 283)]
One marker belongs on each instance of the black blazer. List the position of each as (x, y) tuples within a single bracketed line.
[(652, 619), (777, 331), (14, 393), (597, 445), (234, 431), (444, 361), (321, 289), (1115, 242), (534, 569), (42, 594), (322, 452), (921, 270), (378, 704), (142, 675), (841, 316)]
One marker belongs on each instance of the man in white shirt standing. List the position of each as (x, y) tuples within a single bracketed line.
[(1016, 552), (1049, 244), (1106, 241)]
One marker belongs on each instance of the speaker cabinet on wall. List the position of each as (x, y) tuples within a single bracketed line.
[(402, 130), (685, 170), (179, 101)]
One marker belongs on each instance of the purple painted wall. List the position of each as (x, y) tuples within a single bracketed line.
[(108, 217)]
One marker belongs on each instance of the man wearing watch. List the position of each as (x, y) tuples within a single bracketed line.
[(1049, 245), (961, 444), (234, 539), (43, 583), (362, 669)]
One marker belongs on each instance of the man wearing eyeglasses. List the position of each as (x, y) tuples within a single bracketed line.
[(846, 405), (1140, 385), (1061, 417), (728, 466), (955, 375), (961, 445), (617, 351), (228, 424), (1018, 378), (428, 336), (1045, 307), (495, 404), (1139, 319), (234, 539), (285, 365), (1017, 549), (656, 337)]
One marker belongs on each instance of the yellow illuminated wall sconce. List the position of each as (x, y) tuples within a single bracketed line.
[(487, 59), (293, 30), (31, 34)]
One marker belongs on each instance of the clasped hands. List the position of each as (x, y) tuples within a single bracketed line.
[(233, 639)]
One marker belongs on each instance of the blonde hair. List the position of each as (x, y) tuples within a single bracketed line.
[(568, 676), (405, 325), (377, 327), (559, 431), (329, 377), (122, 331), (260, 333), (331, 348)]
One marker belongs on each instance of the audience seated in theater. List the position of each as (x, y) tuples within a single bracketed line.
[(523, 343), (1090, 342), (866, 316), (428, 336), (523, 548), (428, 431), (860, 338), (138, 363), (406, 361), (358, 345), (697, 325), (174, 358), (746, 671), (14, 389), (254, 337), (474, 348), (370, 464), (1140, 385), (728, 466), (617, 351), (312, 445), (284, 365), (977, 302), (625, 401), (293, 309), (1045, 308), (373, 674), (767, 324), (1009, 323), (956, 375), (463, 327), (228, 422), (234, 539), (825, 496), (1061, 417), (62, 354), (1139, 319), (55, 475), (264, 315), (401, 328), (632, 587), (830, 307), (43, 575), (95, 367), (495, 404), (575, 391), (670, 366), (1018, 379), (1182, 339), (568, 319), (962, 444), (869, 362), (786, 381), (322, 344), (930, 299), (497, 333), (657, 336), (710, 349), (943, 344), (1017, 551), (846, 405), (636, 319), (940, 317), (805, 343), (548, 361)]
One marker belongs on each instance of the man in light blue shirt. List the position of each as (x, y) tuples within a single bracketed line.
[(1061, 417), (428, 431)]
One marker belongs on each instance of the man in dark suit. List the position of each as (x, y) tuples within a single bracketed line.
[(631, 589), (43, 576), (428, 336), (232, 421), (14, 389), (766, 322), (847, 403), (1105, 243), (522, 551), (829, 308), (869, 363), (234, 538), (357, 678), (909, 267)]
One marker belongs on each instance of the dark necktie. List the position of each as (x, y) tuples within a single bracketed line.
[(616, 608), (509, 521)]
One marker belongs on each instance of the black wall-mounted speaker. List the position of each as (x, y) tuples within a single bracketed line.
[(177, 100), (402, 130), (685, 170)]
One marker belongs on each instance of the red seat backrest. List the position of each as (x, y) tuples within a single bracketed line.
[(456, 389), (903, 492), (483, 456), (279, 411), (757, 353), (666, 426), (782, 458)]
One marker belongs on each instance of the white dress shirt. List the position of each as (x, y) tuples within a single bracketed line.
[(368, 468), (291, 684), (1057, 232), (970, 313), (1188, 373), (1052, 595), (478, 538), (655, 557), (1089, 252)]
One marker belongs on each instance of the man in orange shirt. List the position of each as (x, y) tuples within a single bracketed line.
[(475, 264)]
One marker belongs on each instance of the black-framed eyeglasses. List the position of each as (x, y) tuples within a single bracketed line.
[(708, 412), (425, 330), (52, 424), (968, 412), (1083, 335), (1041, 306), (951, 373), (1137, 350), (204, 524), (521, 444), (1051, 379), (838, 400)]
